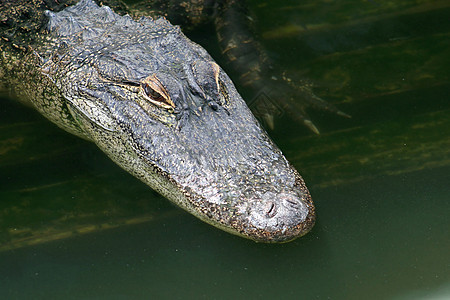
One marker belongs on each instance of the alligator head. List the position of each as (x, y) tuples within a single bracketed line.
[(161, 108)]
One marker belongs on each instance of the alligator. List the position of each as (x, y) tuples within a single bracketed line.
[(159, 106)]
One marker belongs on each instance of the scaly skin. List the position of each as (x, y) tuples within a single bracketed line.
[(159, 106)]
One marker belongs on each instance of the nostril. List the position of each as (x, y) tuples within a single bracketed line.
[(271, 209), (292, 203)]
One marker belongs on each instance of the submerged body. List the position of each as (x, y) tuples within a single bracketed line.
[(159, 106)]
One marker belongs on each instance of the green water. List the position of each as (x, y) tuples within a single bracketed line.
[(73, 225)]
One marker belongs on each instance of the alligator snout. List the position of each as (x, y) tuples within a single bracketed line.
[(282, 217)]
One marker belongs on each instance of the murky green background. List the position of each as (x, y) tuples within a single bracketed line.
[(73, 225)]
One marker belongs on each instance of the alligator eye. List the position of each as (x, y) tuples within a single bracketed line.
[(154, 91), (220, 86), (223, 92), (209, 84)]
